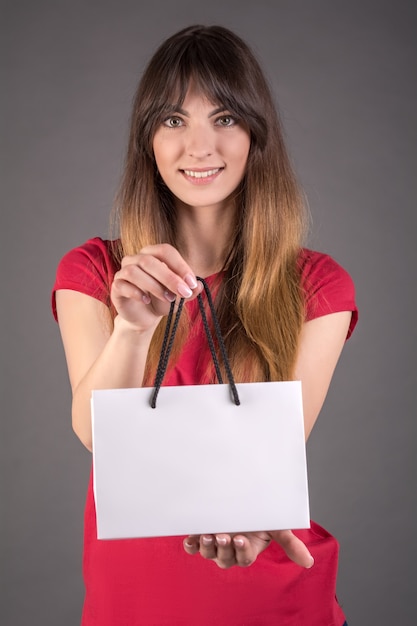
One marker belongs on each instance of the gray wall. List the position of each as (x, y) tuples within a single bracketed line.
[(344, 74)]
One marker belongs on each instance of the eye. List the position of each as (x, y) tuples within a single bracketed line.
[(173, 122), (226, 120)]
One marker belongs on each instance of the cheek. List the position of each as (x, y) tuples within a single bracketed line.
[(242, 153), (161, 164), (165, 152), (243, 146), (157, 150)]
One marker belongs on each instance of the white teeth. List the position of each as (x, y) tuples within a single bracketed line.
[(205, 174)]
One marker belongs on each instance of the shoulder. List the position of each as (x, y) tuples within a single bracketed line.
[(95, 255), (328, 287), (88, 268)]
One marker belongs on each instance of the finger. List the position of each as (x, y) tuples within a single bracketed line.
[(125, 295), (173, 259), (134, 275), (192, 544), (122, 288), (208, 548), (247, 548), (167, 267), (293, 547), (126, 298), (226, 556)]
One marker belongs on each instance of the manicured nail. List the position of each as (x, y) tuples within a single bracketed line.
[(190, 280), (184, 291), (169, 296), (207, 541)]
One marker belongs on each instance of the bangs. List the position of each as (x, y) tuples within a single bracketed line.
[(214, 66), (207, 75)]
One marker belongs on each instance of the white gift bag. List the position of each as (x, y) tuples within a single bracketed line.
[(198, 462)]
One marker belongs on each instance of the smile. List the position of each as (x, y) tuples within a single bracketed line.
[(205, 174)]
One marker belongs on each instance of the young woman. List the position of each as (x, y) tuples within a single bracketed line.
[(207, 191)]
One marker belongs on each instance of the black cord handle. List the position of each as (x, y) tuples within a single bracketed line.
[(168, 342)]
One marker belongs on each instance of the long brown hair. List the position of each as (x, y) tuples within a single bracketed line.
[(260, 302)]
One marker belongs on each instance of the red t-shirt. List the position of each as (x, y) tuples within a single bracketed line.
[(152, 581)]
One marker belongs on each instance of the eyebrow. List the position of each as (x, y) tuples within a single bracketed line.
[(186, 114)]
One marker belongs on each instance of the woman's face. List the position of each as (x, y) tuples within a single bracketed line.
[(201, 152)]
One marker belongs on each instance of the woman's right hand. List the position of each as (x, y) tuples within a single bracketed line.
[(106, 355), (148, 282)]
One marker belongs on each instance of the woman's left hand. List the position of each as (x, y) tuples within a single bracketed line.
[(242, 549)]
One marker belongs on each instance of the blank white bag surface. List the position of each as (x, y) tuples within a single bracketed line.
[(198, 463)]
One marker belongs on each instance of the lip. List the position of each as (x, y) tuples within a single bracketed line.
[(201, 175)]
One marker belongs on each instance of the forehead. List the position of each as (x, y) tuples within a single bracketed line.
[(195, 88), (195, 99)]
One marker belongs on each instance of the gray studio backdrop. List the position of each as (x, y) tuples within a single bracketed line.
[(344, 75)]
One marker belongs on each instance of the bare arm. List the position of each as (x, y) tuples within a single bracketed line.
[(322, 341), (100, 354)]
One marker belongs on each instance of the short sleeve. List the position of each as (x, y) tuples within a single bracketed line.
[(328, 288), (88, 269)]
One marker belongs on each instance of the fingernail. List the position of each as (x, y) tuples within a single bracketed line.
[(238, 542), (188, 544), (190, 280), (207, 541), (169, 296), (184, 291), (221, 541), (311, 563), (146, 299)]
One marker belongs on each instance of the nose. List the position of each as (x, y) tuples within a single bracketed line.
[(200, 142)]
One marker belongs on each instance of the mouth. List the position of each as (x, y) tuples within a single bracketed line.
[(202, 174)]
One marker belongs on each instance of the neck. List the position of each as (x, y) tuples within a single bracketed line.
[(204, 237)]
